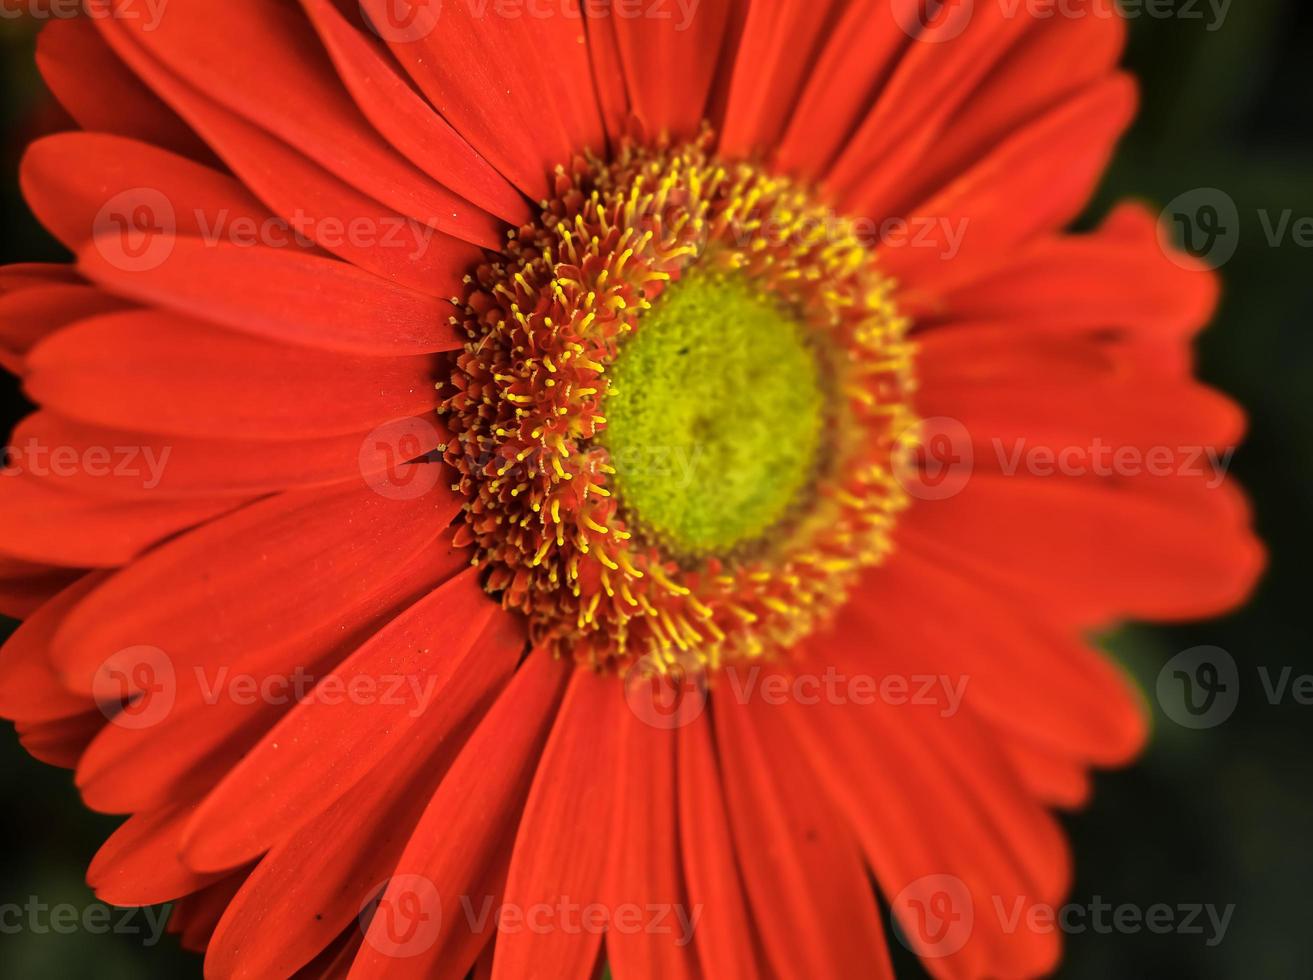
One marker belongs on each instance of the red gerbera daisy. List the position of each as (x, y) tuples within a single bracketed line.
[(532, 484)]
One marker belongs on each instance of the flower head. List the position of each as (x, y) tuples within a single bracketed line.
[(670, 309), (520, 484)]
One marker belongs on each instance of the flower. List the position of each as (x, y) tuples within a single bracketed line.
[(522, 483)]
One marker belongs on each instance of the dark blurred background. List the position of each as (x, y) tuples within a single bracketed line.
[(1219, 816)]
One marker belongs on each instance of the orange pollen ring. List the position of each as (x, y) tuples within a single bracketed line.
[(525, 407)]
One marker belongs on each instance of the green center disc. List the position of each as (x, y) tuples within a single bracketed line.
[(715, 417)]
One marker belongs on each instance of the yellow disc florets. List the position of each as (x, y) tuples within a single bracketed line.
[(779, 509)]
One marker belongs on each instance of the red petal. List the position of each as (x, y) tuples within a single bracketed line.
[(815, 911), (487, 76), (608, 71), (1119, 278), (559, 858), (1054, 58), (313, 203), (180, 196), (841, 87), (28, 315), (30, 690), (274, 569), (60, 742), (645, 873), (1097, 551), (101, 93), (1018, 393), (327, 743), (93, 462), (39, 522), (215, 713), (670, 58), (1049, 778), (195, 916), (281, 294), (1035, 181), (315, 882), (933, 804), (778, 47), (139, 863), (462, 843), (155, 372), (723, 938), (272, 47), (922, 98), (980, 642), (407, 121), (24, 586)]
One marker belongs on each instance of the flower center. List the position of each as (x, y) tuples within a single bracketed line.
[(714, 418), (675, 416)]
